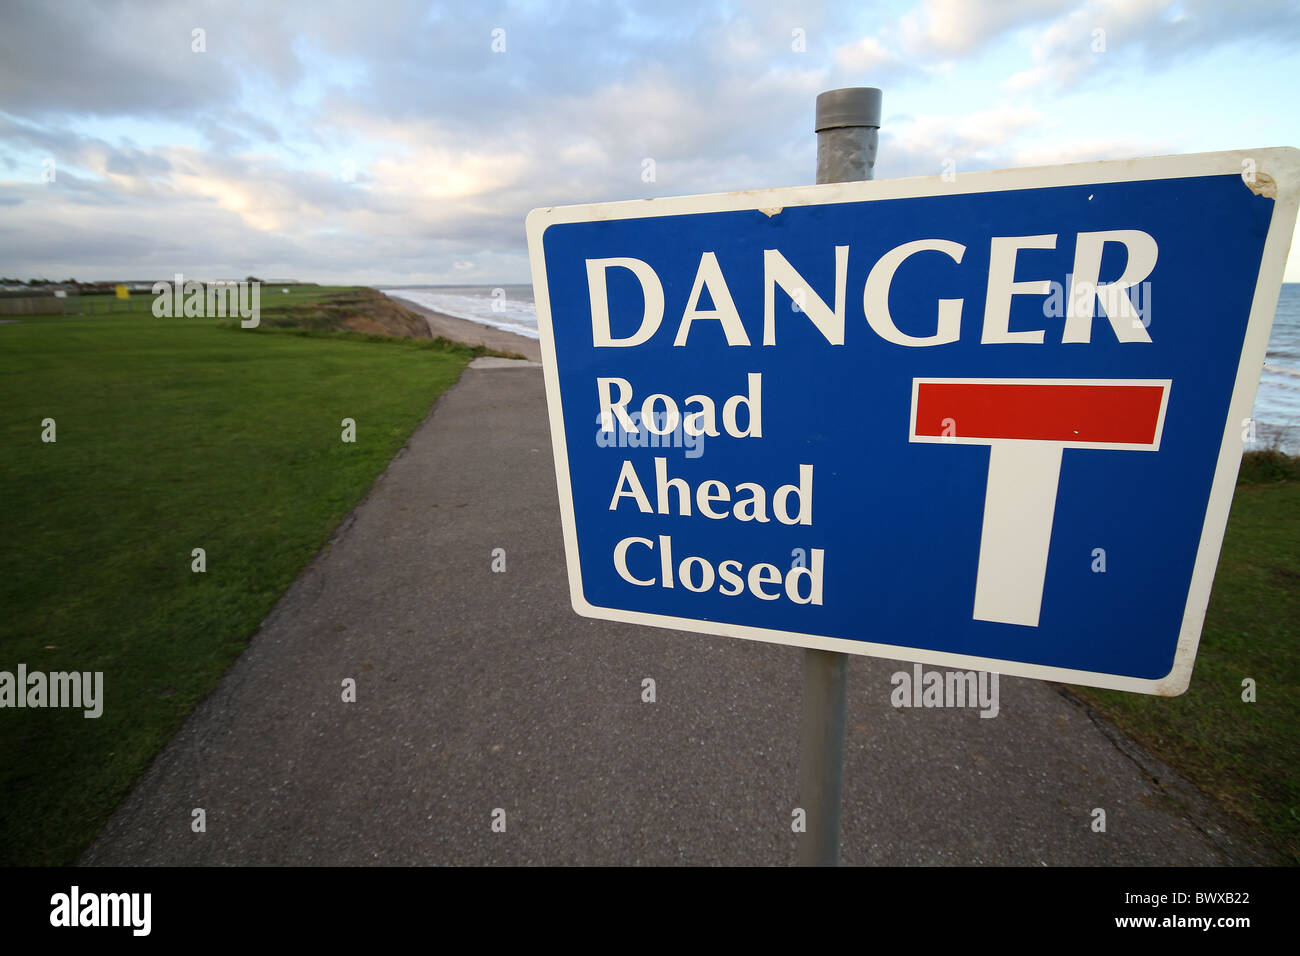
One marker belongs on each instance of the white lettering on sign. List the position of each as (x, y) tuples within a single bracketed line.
[(778, 272), (1024, 465), (709, 276), (764, 581), (1124, 319), (701, 420), (1086, 292), (750, 501), (651, 288), (1003, 285), (875, 295)]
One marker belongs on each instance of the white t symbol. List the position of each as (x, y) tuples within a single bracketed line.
[(1028, 423)]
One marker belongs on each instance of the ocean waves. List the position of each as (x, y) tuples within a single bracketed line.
[(487, 305)]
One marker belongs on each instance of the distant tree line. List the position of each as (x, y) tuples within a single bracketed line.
[(70, 284)]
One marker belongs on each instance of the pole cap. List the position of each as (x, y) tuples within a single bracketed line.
[(851, 106)]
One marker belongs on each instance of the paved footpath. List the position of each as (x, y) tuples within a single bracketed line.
[(479, 690)]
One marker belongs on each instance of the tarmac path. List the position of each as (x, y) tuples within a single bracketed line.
[(479, 690)]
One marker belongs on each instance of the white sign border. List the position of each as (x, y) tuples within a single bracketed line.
[(1276, 174)]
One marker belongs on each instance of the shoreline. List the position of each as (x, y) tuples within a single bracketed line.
[(473, 333)]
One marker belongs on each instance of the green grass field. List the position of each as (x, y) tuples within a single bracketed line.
[(172, 434)]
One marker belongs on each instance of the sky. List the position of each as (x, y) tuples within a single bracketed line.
[(398, 142)]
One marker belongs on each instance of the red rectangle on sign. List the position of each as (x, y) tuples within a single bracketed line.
[(1118, 414)]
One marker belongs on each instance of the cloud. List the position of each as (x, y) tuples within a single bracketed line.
[(868, 56), (1089, 150), (449, 143), (327, 140), (955, 28), (928, 38), (1068, 40), (1101, 36), (927, 145), (120, 58)]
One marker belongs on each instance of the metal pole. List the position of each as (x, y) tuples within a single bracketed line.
[(848, 128)]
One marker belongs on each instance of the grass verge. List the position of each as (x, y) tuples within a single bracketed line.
[(172, 434)]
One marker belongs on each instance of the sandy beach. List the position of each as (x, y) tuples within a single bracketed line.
[(474, 333)]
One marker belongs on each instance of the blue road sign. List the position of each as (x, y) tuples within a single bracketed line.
[(990, 423)]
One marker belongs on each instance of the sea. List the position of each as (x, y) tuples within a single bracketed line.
[(508, 307), (1277, 404)]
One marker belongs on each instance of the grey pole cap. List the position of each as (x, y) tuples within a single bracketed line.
[(851, 106)]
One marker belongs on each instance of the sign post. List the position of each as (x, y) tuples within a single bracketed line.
[(995, 420), (848, 131)]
